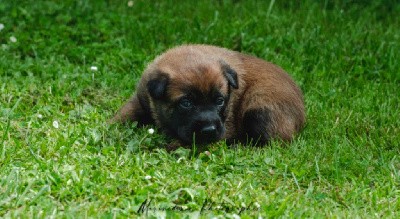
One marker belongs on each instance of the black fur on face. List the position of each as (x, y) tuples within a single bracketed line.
[(197, 115)]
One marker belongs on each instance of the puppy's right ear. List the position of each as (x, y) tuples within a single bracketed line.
[(157, 86)]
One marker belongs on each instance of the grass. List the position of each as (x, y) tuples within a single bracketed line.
[(344, 55)]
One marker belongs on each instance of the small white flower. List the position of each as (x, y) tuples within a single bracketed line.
[(257, 205), (271, 171), (235, 216), (55, 124), (94, 68), (1, 26), (40, 116), (207, 153), (13, 39), (130, 3), (147, 177), (150, 131)]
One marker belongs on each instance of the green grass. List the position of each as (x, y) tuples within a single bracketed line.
[(344, 55)]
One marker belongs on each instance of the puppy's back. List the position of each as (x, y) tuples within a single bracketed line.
[(268, 103), (272, 93)]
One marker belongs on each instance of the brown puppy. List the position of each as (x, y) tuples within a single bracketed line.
[(205, 93)]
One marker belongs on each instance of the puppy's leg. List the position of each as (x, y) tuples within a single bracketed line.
[(134, 110), (271, 121), (257, 126)]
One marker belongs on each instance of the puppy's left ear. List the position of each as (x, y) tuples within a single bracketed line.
[(157, 86), (230, 74)]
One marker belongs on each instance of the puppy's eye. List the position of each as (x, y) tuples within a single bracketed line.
[(186, 103), (220, 101)]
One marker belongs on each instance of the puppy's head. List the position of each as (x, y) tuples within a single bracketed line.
[(189, 102)]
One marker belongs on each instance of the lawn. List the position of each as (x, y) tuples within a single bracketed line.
[(60, 158)]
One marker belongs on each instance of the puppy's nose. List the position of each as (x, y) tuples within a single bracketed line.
[(209, 130)]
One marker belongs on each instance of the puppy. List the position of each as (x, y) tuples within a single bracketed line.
[(202, 93)]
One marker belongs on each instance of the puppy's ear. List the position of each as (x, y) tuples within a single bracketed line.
[(230, 74), (157, 86)]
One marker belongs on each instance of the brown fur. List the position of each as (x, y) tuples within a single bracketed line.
[(261, 86)]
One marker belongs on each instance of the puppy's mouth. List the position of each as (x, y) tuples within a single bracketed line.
[(204, 135)]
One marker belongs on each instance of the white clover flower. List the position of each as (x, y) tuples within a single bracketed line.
[(94, 68), (235, 216), (271, 171), (55, 124), (13, 39), (1, 26), (40, 116), (130, 3), (147, 177), (150, 131)]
